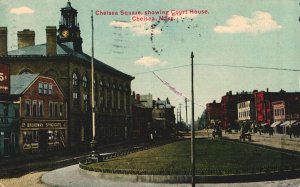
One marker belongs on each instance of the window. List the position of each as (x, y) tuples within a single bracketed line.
[(84, 81), (50, 89), (46, 88), (75, 98), (85, 101), (41, 108), (56, 109), (60, 110), (27, 107), (50, 108), (34, 108), (109, 98), (122, 101), (41, 87), (115, 93), (75, 79)]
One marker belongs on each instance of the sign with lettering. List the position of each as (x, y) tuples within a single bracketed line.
[(43, 124), (4, 79)]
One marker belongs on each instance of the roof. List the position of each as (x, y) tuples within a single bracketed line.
[(65, 49), (163, 104), (19, 83)]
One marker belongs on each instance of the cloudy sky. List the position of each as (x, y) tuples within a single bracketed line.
[(256, 33)]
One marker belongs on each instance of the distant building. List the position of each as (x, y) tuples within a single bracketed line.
[(213, 114), (163, 117), (147, 100), (229, 111), (285, 113), (35, 114), (263, 103), (141, 120)]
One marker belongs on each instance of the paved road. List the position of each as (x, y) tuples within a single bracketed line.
[(72, 177)]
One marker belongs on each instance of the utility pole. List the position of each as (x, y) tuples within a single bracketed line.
[(193, 124), (186, 116), (180, 114)]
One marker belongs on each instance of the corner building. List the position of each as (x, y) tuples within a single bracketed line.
[(61, 57)]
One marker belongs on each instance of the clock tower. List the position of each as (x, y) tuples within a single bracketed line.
[(69, 30)]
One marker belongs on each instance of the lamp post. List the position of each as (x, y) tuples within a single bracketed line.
[(93, 142)]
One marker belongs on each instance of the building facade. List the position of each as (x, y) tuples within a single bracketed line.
[(213, 114), (263, 104), (36, 112), (142, 126), (163, 117), (62, 57), (229, 111)]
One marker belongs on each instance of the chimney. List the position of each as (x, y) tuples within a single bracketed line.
[(51, 40), (26, 38), (267, 89), (3, 41), (138, 98)]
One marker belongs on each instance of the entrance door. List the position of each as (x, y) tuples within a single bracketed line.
[(43, 140), (6, 147)]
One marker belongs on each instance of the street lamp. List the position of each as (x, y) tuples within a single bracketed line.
[(93, 142)]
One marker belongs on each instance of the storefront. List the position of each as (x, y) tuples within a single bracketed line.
[(37, 136)]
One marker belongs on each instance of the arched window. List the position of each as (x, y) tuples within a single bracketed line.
[(75, 79), (84, 81)]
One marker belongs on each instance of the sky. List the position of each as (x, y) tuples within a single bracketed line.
[(256, 33)]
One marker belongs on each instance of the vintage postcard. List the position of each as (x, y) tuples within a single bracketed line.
[(149, 93)]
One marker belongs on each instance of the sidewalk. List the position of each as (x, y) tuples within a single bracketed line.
[(280, 141), (72, 177)]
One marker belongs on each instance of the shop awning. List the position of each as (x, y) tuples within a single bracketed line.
[(287, 123), (276, 123)]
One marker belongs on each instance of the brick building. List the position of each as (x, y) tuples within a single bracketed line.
[(141, 119), (263, 103), (36, 112), (229, 111), (62, 57), (213, 114)]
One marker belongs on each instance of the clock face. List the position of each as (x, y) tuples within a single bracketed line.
[(65, 33)]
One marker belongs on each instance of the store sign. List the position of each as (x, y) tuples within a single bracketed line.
[(46, 125), (4, 79)]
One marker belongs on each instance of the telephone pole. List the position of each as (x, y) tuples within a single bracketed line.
[(186, 116), (193, 129), (180, 113)]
